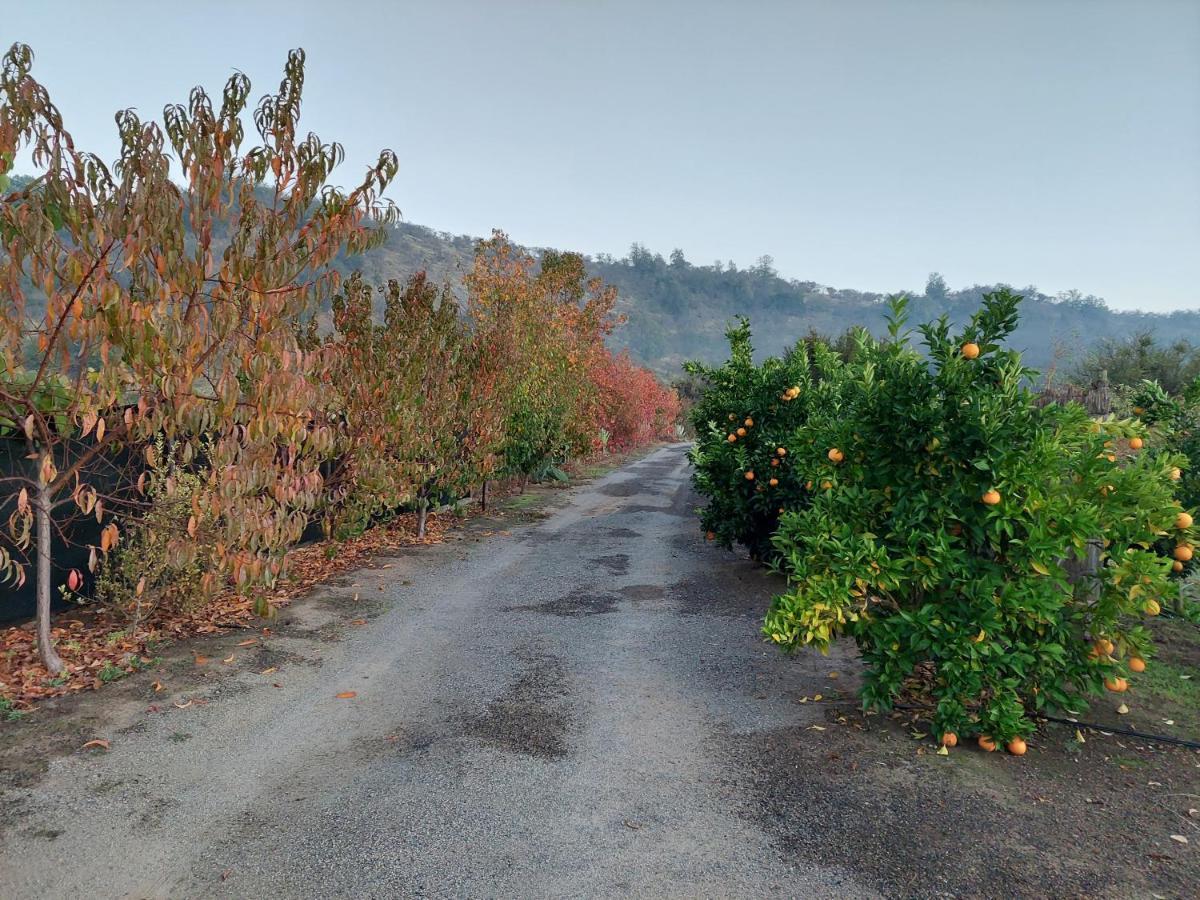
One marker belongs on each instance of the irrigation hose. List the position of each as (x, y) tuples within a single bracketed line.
[(1129, 732), (1095, 726)]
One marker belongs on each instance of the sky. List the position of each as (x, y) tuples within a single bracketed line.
[(860, 143)]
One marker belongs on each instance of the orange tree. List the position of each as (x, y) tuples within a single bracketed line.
[(743, 459), (137, 306), (949, 542)]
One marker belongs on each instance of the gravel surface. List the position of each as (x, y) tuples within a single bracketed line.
[(579, 706), (536, 714)]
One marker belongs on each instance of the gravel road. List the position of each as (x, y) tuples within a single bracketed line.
[(542, 713)]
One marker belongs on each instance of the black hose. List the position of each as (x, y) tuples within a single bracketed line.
[(1159, 738)]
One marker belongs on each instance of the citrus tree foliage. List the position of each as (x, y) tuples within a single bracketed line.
[(947, 543), (156, 296), (744, 420)]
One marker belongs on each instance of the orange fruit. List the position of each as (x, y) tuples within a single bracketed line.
[(835, 455), (826, 484), (991, 498), (949, 739), (986, 743), (710, 536), (1136, 443), (774, 462), (1183, 552), (1137, 410), (1183, 520), (1177, 566), (750, 476), (749, 422), (1137, 664), (1016, 747), (774, 482), (1104, 645), (1176, 473), (970, 350), (741, 432), (1151, 608), (780, 451), (731, 438), (1116, 685)]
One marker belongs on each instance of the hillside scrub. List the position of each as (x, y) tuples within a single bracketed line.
[(944, 524), (170, 305)]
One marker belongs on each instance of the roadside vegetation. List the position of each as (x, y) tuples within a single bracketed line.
[(994, 558), (188, 385)]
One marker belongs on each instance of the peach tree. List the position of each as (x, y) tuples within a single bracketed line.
[(993, 556), (157, 296)]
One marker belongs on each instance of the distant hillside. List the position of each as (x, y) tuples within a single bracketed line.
[(677, 311)]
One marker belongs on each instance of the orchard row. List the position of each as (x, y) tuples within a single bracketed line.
[(992, 557), (170, 368)]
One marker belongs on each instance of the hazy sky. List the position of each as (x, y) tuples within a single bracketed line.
[(861, 144)]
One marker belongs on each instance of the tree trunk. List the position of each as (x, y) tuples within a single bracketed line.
[(422, 513), (45, 646), (483, 497)]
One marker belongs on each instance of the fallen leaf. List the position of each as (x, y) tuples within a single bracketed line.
[(832, 675), (816, 696), (943, 750), (270, 671), (633, 826), (225, 875), (249, 642), (1122, 709), (359, 622), (102, 744), (228, 659), (179, 705), (158, 686), (817, 727), (1179, 839), (201, 660), (347, 695)]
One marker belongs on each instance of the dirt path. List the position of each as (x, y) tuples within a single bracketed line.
[(582, 707)]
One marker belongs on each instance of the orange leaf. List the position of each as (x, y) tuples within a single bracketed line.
[(249, 642), (201, 660), (347, 695), (98, 743)]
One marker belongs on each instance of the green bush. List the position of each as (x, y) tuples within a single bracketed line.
[(948, 544), (743, 419)]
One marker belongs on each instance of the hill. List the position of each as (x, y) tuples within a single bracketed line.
[(677, 311)]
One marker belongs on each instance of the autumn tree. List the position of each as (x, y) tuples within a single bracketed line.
[(156, 297)]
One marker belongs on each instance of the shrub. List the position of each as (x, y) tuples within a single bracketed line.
[(949, 542), (745, 415), (160, 561)]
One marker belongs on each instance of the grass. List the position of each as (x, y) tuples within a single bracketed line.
[(1166, 681)]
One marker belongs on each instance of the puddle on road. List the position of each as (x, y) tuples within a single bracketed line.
[(574, 605), (533, 716)]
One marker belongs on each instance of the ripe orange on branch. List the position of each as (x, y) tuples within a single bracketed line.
[(991, 498), (970, 350)]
